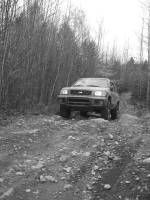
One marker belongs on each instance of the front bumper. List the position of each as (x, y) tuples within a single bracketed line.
[(83, 102)]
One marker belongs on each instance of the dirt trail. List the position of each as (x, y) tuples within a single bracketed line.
[(47, 158)]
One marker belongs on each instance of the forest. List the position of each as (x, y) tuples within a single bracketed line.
[(43, 49)]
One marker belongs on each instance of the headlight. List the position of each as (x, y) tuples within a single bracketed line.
[(64, 91), (100, 93)]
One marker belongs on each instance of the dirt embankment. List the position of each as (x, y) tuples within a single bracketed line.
[(47, 158)]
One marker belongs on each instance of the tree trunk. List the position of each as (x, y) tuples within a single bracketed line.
[(148, 79)]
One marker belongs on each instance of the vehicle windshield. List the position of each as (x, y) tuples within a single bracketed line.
[(103, 83)]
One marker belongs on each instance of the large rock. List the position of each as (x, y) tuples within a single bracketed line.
[(107, 187), (64, 158), (67, 169), (48, 178), (67, 186), (99, 120), (146, 161)]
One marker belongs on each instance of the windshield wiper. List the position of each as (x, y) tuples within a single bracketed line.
[(93, 85), (78, 85)]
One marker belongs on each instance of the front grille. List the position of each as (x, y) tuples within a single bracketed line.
[(80, 92), (77, 101)]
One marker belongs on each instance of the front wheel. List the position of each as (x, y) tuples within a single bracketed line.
[(114, 112), (83, 114), (65, 112), (105, 114)]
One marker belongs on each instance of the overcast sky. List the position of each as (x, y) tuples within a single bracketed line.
[(122, 20)]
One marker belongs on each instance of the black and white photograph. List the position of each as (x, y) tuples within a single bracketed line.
[(74, 99)]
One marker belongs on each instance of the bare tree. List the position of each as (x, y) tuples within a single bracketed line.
[(142, 41), (148, 79), (41, 51)]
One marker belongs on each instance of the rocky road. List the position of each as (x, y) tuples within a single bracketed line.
[(47, 158)]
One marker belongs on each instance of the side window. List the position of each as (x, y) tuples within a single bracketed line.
[(112, 86)]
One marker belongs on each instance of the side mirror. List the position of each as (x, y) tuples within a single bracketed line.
[(111, 88)]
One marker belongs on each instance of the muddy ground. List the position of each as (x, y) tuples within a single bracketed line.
[(46, 157)]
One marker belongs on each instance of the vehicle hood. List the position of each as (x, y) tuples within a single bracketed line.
[(86, 88)]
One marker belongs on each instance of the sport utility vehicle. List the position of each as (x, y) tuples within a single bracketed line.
[(90, 95)]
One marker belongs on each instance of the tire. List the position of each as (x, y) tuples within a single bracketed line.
[(83, 114), (114, 112), (65, 112), (105, 113)]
